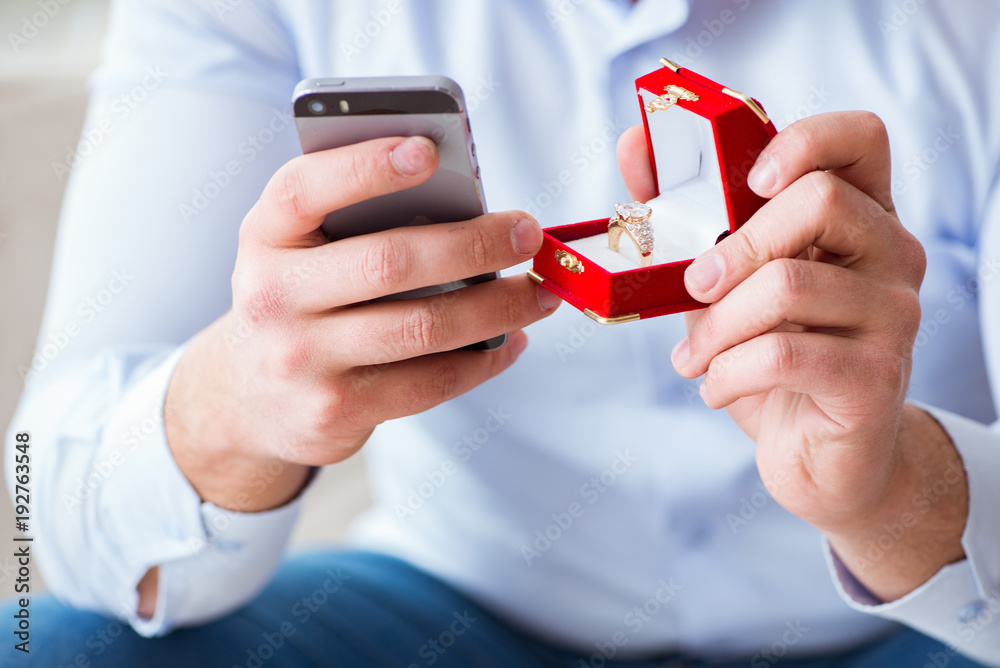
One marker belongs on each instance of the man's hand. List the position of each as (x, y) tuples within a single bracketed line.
[(808, 343), (305, 365)]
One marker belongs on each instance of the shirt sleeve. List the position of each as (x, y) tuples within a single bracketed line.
[(189, 117), (960, 604)]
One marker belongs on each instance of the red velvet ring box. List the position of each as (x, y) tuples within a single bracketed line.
[(703, 139)]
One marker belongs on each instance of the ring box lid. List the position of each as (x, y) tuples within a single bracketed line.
[(706, 151)]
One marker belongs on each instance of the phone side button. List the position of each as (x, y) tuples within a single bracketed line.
[(478, 175)]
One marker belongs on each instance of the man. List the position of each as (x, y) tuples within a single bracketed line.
[(612, 518)]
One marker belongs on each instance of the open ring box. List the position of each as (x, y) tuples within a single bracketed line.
[(703, 139)]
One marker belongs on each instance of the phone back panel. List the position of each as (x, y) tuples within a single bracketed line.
[(375, 109), (453, 194)]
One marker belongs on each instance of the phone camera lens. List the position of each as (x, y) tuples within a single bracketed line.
[(317, 107)]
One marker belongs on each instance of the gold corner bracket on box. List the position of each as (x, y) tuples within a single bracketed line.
[(536, 277), (749, 101), (670, 65), (569, 261), (632, 317)]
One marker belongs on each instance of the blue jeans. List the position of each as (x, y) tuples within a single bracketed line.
[(348, 609)]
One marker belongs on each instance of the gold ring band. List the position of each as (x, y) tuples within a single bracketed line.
[(633, 219)]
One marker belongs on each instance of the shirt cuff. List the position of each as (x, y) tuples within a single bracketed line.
[(210, 560), (234, 562), (960, 604)]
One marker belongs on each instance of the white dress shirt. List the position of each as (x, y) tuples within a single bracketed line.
[(674, 544)]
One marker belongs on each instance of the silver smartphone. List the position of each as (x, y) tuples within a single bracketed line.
[(330, 113)]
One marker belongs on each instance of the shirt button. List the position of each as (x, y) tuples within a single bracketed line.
[(971, 612)]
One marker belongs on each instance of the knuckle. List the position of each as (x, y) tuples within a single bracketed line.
[(352, 414), (750, 247), (289, 191), (804, 134), (246, 232), (717, 376), (788, 280), (780, 355), (920, 254), (423, 329), (906, 311), (716, 368), (294, 357), (386, 262), (443, 380), (915, 259), (361, 340), (909, 306), (498, 361), (238, 278), (480, 245), (873, 128), (262, 300), (707, 328), (825, 190), (330, 408), (510, 308), (338, 407), (362, 175), (887, 371)]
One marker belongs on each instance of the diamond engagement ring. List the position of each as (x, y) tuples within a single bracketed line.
[(634, 219)]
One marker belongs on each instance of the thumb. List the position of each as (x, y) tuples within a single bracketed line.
[(633, 161)]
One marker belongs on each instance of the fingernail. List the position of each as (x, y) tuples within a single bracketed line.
[(548, 300), (763, 176), (518, 345), (681, 354), (414, 156), (705, 272), (527, 236)]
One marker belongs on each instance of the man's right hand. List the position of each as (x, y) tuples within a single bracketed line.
[(304, 366)]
